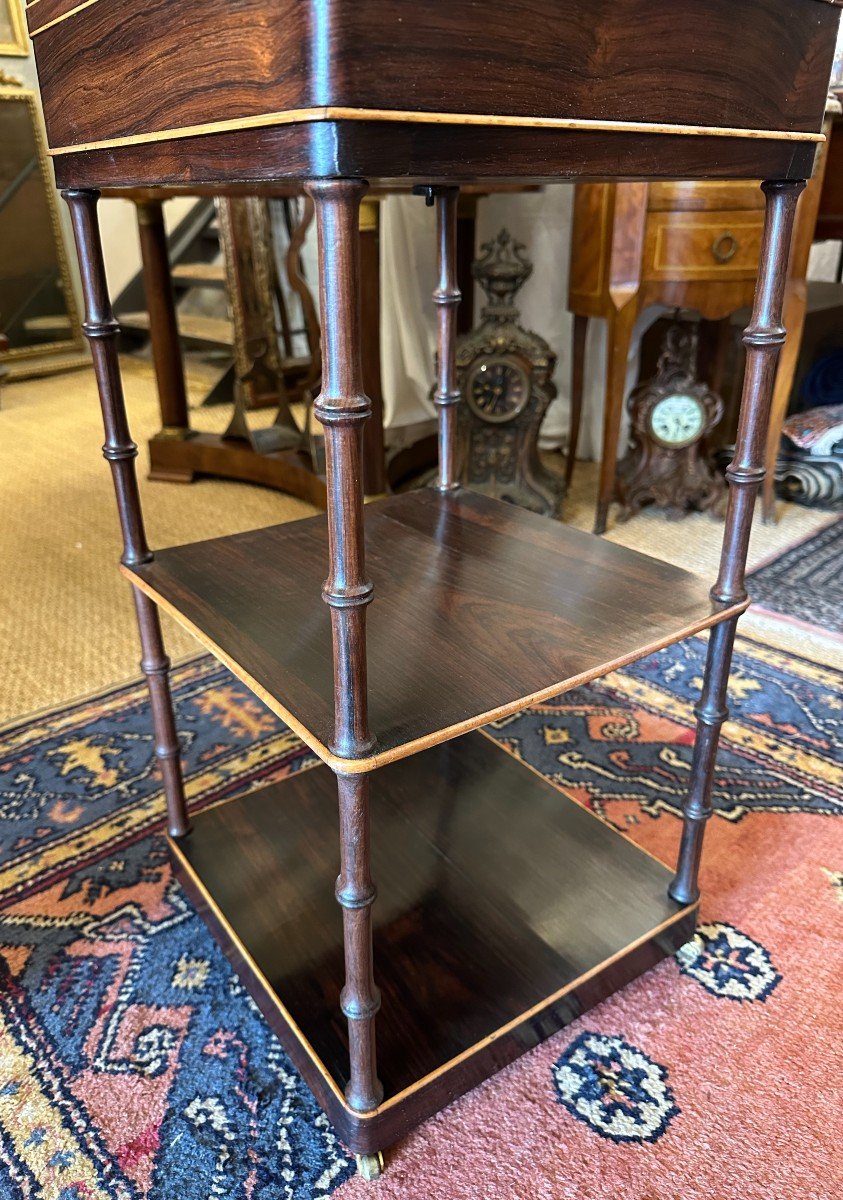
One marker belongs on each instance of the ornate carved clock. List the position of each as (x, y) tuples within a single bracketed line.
[(672, 415), (504, 374)]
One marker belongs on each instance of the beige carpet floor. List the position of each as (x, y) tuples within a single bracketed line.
[(66, 619)]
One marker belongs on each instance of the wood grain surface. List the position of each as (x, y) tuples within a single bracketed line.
[(498, 899), (478, 605), (123, 67)]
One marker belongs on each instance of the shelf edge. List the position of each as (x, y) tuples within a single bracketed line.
[(371, 762)]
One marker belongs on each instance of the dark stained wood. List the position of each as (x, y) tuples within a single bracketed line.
[(763, 339), (495, 893), (120, 452), (391, 54), (711, 712), (478, 605), (446, 297), (343, 408), (178, 460), (360, 999), (163, 325), (393, 152)]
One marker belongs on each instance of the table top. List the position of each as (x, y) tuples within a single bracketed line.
[(182, 92)]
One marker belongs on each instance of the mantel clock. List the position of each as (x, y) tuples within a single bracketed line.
[(504, 373), (672, 415)]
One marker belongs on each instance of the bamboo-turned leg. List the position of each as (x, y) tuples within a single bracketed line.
[(447, 297), (763, 340), (101, 330), (342, 408), (360, 998)]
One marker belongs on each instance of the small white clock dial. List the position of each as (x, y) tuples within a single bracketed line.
[(677, 420)]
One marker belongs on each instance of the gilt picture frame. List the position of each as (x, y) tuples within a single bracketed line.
[(30, 224), (13, 40)]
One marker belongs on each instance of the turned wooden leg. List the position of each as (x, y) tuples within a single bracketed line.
[(711, 712), (163, 324), (360, 998), (763, 340), (619, 335), (577, 387), (447, 297), (101, 330), (342, 408)]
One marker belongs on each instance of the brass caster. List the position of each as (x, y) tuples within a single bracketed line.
[(369, 1166)]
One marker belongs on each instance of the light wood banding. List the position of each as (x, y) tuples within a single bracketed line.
[(335, 113), (480, 609)]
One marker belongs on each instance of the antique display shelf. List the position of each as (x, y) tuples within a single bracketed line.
[(504, 909)]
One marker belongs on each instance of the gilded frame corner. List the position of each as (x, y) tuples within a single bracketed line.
[(18, 47)]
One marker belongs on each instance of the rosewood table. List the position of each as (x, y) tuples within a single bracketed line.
[(505, 909)]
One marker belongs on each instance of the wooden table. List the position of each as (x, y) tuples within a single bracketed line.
[(691, 245), (505, 910)]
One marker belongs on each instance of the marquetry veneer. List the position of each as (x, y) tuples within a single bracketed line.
[(505, 910)]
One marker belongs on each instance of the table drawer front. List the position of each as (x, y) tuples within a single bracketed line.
[(701, 245), (705, 196)]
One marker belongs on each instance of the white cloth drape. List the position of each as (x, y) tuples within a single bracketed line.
[(542, 221)]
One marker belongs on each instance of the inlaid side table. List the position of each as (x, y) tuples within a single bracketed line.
[(504, 908)]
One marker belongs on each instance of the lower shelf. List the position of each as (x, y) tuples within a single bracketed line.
[(504, 911)]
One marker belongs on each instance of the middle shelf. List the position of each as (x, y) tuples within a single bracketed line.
[(479, 609)]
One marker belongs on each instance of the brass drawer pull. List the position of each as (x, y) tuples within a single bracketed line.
[(724, 247)]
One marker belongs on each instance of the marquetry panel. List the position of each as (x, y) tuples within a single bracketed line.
[(702, 245)]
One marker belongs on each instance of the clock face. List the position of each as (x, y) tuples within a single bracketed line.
[(677, 420), (498, 390)]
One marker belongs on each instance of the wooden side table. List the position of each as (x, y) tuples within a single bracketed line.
[(467, 958), (688, 245), (684, 245)]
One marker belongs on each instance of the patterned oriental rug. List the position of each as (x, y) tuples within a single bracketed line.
[(132, 1063), (805, 582)]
